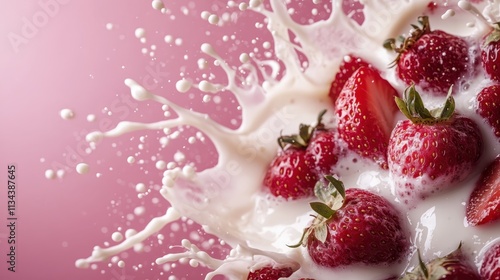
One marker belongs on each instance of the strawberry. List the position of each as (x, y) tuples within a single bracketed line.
[(490, 267), (353, 226), (489, 53), (366, 114), (453, 266), (349, 64), (488, 107), (484, 202), (293, 173), (431, 150), (431, 59), (270, 273)]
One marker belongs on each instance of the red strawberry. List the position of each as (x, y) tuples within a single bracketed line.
[(433, 60), (490, 267), (348, 66), (453, 266), (366, 114), (429, 152), (488, 102), (489, 53), (353, 226), (484, 202), (293, 173), (270, 273)]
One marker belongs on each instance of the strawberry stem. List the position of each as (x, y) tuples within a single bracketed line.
[(301, 140)]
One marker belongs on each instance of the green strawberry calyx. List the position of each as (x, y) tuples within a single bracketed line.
[(436, 269), (301, 140), (332, 197), (493, 36), (401, 44), (413, 108)]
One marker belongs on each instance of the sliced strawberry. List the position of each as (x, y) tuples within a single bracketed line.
[(349, 65), (484, 202), (488, 101), (490, 267), (270, 273), (453, 266), (366, 114)]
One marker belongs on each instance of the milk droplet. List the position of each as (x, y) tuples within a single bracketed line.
[(169, 39), (121, 264), (138, 92), (60, 173), (182, 86), (131, 159), (138, 211), (90, 118), (244, 58), (243, 6), (161, 165), (50, 174), (140, 33), (67, 114), (140, 188), (255, 3), (82, 168), (205, 15), (157, 5), (130, 232), (109, 26), (213, 19), (117, 236)]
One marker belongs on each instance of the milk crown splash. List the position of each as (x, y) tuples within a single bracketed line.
[(227, 199)]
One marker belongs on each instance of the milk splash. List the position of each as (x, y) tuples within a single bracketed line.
[(227, 199)]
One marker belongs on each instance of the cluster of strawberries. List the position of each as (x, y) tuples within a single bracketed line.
[(428, 152)]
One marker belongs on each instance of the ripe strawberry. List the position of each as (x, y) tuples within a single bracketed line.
[(489, 53), (366, 114), (453, 266), (431, 150), (293, 173), (349, 65), (433, 60), (484, 202), (270, 273), (353, 226), (488, 102), (490, 267)]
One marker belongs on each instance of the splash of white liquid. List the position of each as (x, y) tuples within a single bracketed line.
[(236, 210)]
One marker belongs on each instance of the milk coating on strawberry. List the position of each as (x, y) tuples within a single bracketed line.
[(490, 266), (366, 112), (488, 106), (489, 53), (433, 60), (454, 266), (270, 273), (354, 226), (431, 150)]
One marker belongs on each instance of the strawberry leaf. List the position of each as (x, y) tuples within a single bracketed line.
[(414, 109), (338, 185), (321, 232), (321, 208)]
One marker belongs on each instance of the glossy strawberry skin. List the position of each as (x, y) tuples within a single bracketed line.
[(365, 230), (348, 66), (434, 156), (324, 151), (366, 114), (484, 202), (290, 174), (459, 268), (488, 102), (490, 267), (270, 273), (434, 62), (491, 60)]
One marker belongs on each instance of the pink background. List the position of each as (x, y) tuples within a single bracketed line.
[(64, 57)]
